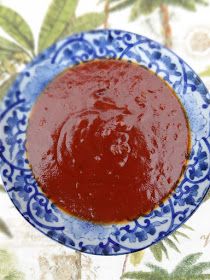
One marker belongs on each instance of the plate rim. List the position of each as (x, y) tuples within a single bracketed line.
[(170, 231)]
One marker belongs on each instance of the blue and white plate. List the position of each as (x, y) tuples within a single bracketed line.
[(16, 173)]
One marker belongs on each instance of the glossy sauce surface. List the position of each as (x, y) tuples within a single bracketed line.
[(107, 141)]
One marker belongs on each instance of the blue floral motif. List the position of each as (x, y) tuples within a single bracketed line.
[(116, 232), (101, 249), (17, 175), (43, 212), (13, 130), (131, 236), (61, 237), (104, 43), (195, 83), (141, 235), (190, 198), (13, 95), (21, 188), (12, 122), (170, 65), (20, 157), (202, 164), (76, 47)]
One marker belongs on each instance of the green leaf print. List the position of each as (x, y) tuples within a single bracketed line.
[(4, 228), (8, 270), (187, 269), (16, 27), (84, 22), (58, 15)]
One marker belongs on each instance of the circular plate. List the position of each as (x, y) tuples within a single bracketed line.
[(22, 187)]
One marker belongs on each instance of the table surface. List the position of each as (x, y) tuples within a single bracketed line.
[(28, 254)]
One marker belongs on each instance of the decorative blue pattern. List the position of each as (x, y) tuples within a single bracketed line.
[(23, 188)]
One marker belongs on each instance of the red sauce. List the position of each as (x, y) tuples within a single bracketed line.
[(107, 141)]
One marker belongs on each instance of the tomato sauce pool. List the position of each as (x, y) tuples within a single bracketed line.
[(107, 141)]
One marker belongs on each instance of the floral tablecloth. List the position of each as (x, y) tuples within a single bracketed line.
[(184, 26)]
